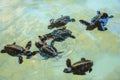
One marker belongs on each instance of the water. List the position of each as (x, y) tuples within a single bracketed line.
[(21, 21)]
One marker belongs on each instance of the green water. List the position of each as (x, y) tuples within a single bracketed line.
[(23, 20)]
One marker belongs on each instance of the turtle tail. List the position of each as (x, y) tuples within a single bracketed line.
[(68, 63)]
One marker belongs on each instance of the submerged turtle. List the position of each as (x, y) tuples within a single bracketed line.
[(99, 21), (18, 51), (60, 22), (80, 67), (47, 51), (58, 35)]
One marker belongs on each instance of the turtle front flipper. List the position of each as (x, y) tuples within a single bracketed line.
[(68, 63), (111, 16), (20, 60), (28, 45), (72, 36), (3, 51), (84, 22), (90, 70)]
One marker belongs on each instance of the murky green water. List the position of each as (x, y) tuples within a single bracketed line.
[(24, 20)]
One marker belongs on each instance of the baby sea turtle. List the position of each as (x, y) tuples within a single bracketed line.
[(47, 51), (99, 21), (80, 67), (18, 51), (60, 22), (58, 35)]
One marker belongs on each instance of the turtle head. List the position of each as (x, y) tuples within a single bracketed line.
[(67, 70), (104, 15)]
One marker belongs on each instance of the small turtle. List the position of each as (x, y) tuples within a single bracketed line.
[(18, 51), (58, 35), (60, 22), (46, 51), (79, 67), (99, 21)]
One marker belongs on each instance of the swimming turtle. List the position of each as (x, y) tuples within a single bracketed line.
[(58, 35), (80, 67), (99, 21), (60, 22), (18, 51), (46, 51)]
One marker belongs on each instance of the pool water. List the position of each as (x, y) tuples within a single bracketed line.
[(23, 20)]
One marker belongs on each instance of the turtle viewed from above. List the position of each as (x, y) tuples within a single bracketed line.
[(99, 21), (58, 35), (18, 51), (80, 67), (60, 22), (46, 51)]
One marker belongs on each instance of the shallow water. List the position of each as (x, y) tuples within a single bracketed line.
[(24, 20)]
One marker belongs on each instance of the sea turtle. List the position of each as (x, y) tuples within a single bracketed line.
[(80, 67), (60, 22), (58, 35), (46, 51), (99, 21), (18, 51)]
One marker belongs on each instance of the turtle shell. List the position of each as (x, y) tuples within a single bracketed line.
[(13, 50), (82, 66), (61, 33), (57, 25)]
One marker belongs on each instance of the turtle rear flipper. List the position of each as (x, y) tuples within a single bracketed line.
[(90, 70), (72, 36), (34, 53), (84, 22), (89, 27), (28, 45), (68, 63), (20, 60), (3, 51), (83, 59), (14, 43)]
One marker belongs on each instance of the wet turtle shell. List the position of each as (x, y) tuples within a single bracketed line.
[(82, 66), (13, 50), (48, 50), (57, 25), (61, 33)]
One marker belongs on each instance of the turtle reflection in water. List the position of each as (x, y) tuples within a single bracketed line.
[(18, 51), (46, 51), (80, 67), (58, 35)]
